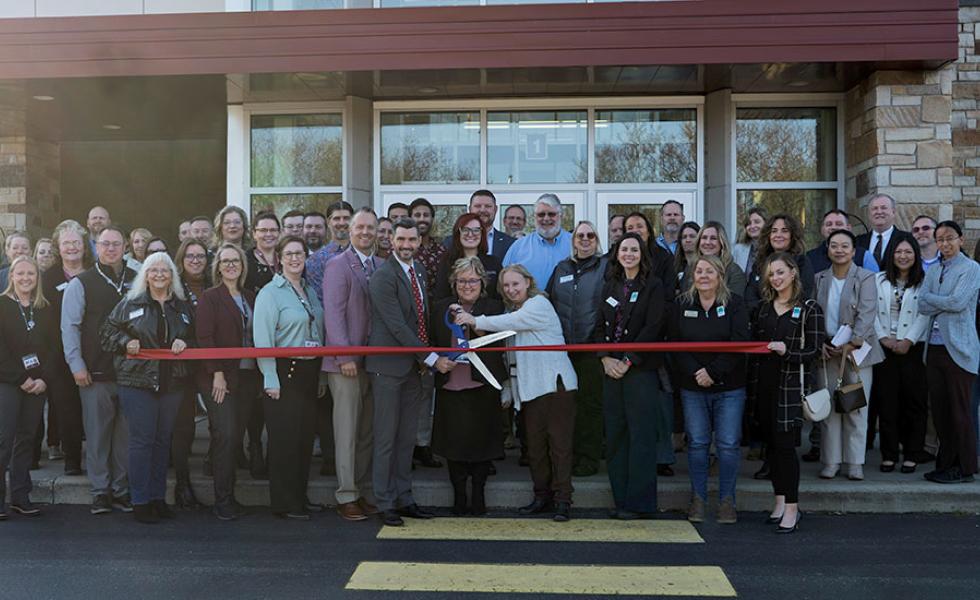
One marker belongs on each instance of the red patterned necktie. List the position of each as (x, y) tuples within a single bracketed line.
[(419, 312)]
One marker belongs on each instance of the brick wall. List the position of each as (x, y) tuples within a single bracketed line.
[(13, 158)]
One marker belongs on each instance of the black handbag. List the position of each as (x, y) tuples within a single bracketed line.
[(850, 397)]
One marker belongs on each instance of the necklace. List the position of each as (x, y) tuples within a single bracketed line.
[(28, 316)]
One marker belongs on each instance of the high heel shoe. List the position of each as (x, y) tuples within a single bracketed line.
[(781, 529), (771, 520)]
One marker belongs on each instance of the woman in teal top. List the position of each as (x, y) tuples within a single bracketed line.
[(287, 314)]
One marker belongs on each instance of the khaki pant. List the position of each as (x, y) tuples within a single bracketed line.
[(353, 434), (843, 437)]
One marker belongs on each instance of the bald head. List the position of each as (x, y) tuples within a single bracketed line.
[(98, 219)]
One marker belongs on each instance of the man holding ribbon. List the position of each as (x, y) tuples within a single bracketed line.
[(400, 382)]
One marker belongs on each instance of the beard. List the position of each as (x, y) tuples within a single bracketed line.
[(549, 233)]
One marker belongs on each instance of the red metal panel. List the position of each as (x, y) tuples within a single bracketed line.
[(633, 33)]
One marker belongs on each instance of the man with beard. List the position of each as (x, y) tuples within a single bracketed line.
[(98, 219), (615, 229), (484, 204), (430, 251), (547, 246), (671, 219), (200, 229), (338, 220), (314, 230)]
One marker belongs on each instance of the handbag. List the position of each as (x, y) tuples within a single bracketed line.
[(850, 397), (816, 404)]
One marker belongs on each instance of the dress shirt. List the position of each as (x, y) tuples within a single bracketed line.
[(886, 237), (538, 255), (669, 247), (315, 264), (431, 359)]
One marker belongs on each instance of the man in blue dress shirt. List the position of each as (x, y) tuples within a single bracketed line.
[(540, 251)]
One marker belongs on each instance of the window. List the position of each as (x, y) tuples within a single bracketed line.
[(440, 147), (646, 146), (283, 203), (537, 147), (786, 161)]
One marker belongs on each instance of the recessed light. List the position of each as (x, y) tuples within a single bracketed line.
[(43, 98), (428, 90), (111, 127)]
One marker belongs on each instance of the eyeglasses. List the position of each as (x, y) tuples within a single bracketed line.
[(264, 230), (195, 257), (923, 228), (158, 271), (550, 214), (107, 244), (469, 282), (585, 235), (470, 230), (71, 243), (292, 255), (230, 262), (947, 240)]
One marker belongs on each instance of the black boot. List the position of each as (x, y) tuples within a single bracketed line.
[(480, 472), (184, 496), (257, 467), (458, 476)]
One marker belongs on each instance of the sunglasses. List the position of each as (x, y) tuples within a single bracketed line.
[(585, 235)]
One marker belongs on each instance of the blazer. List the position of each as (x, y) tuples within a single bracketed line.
[(912, 325), (442, 337), (858, 308), (864, 241), (394, 318), (346, 306), (218, 324), (949, 297), (644, 318), (501, 243)]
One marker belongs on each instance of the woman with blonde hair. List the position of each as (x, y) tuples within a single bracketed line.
[(743, 253), (153, 314), (138, 240), (231, 227), (712, 240), (44, 254)]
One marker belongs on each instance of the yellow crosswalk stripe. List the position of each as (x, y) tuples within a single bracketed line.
[(541, 579), (577, 530)]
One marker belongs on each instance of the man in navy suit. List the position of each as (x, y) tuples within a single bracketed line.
[(484, 203)]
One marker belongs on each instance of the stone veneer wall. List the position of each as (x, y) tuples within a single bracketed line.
[(966, 138)]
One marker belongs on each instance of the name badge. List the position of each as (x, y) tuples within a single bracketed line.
[(135, 314), (186, 319), (797, 311), (61, 286), (720, 311), (566, 278), (311, 344), (612, 302), (31, 361), (691, 314), (634, 296)]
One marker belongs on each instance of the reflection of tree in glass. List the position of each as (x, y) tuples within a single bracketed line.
[(652, 212), (283, 203), (418, 162), (777, 150), (292, 151), (445, 218), (806, 205), (644, 152), (567, 216)]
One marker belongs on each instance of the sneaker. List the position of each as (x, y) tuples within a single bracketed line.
[(727, 515), (101, 505), (55, 453), (829, 471), (225, 512), (855, 473), (25, 508), (122, 503), (695, 512)]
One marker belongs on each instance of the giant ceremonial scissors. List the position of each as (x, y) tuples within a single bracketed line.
[(459, 338)]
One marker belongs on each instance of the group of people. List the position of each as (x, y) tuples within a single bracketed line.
[(893, 311)]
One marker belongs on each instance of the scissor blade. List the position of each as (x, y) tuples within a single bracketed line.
[(477, 362), (491, 338)]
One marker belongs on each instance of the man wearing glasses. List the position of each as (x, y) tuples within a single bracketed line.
[(87, 302), (547, 246)]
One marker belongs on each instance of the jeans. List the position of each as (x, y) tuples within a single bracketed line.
[(151, 417), (719, 413)]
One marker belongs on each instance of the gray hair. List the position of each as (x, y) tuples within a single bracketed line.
[(549, 199), (151, 261), (880, 195)]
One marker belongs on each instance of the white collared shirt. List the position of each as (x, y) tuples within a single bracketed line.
[(886, 236), (490, 240), (366, 259)]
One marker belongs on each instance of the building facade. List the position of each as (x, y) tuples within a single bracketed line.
[(165, 109)]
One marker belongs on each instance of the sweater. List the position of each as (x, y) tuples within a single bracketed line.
[(949, 298)]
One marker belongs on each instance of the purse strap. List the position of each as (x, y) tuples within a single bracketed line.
[(843, 366), (826, 383)]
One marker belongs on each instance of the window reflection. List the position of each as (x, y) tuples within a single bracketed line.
[(646, 146), (283, 203), (296, 150), (808, 206), (430, 147), (537, 147), (786, 144)]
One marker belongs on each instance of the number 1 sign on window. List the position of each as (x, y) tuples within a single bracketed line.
[(536, 147)]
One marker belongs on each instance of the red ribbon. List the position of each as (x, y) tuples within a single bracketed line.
[(233, 353)]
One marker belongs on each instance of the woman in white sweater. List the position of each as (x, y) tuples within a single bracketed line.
[(543, 385)]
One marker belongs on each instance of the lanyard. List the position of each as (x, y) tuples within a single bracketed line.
[(116, 286), (306, 306), (27, 316)]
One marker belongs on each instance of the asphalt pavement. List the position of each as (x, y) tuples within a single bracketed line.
[(67, 553)]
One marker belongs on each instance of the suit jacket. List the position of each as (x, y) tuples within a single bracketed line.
[(864, 241), (858, 307), (394, 318), (501, 244), (346, 306), (218, 324)]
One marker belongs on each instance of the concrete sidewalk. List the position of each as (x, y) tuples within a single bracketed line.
[(511, 487)]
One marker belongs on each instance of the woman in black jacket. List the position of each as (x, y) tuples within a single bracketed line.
[(469, 240), (712, 385), (154, 314), (27, 345), (466, 426), (782, 233), (635, 410)]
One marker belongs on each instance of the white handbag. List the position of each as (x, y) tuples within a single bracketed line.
[(816, 404)]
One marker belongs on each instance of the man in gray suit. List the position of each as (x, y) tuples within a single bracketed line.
[(399, 313)]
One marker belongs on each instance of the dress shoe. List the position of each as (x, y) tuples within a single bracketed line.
[(908, 468), (791, 529), (829, 471), (351, 511), (391, 518), (887, 466), (951, 475), (423, 456), (664, 471), (538, 505), (629, 515), (812, 455), (561, 512), (695, 511), (856, 472), (367, 508), (225, 512), (923, 456), (413, 511), (763, 472), (145, 514), (162, 510), (184, 496), (314, 507)]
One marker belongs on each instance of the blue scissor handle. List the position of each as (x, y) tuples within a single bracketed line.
[(458, 334)]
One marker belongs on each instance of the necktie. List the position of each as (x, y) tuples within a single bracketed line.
[(419, 312), (877, 250)]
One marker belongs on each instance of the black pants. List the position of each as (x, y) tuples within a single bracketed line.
[(950, 391), (227, 428), (900, 392), (291, 421), (784, 464), (65, 400), (184, 429)]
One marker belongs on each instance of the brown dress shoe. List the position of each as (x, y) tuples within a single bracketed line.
[(367, 508), (351, 511)]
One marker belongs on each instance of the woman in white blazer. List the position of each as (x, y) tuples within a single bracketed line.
[(900, 379), (847, 294), (544, 385)]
